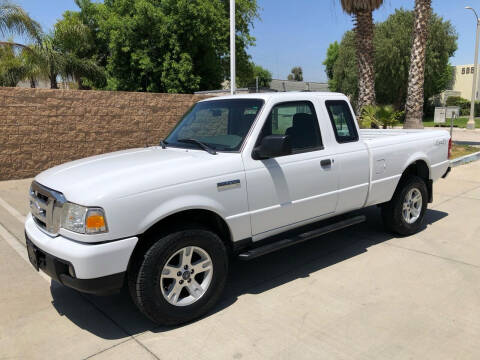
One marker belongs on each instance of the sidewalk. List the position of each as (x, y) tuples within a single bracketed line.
[(462, 135)]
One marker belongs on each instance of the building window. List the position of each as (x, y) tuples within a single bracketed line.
[(468, 70), (472, 70), (463, 71)]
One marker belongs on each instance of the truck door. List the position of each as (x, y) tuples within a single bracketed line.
[(290, 190), (352, 157)]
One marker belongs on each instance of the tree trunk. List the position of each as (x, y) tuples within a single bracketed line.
[(366, 70), (33, 85), (53, 82), (80, 84), (416, 75)]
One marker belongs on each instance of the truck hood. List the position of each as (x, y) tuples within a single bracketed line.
[(122, 173)]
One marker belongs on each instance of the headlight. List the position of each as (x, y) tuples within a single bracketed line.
[(83, 220)]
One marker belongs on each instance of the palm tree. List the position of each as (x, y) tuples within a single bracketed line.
[(51, 56), (12, 69), (15, 21), (362, 12), (74, 39), (296, 74), (416, 76), (57, 55), (55, 63), (33, 70)]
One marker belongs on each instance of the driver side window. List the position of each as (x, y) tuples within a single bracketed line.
[(297, 120)]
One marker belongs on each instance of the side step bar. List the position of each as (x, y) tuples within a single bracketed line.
[(297, 239)]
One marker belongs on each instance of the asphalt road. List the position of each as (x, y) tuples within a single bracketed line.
[(359, 293)]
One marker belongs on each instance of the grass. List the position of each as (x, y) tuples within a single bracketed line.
[(460, 122), (462, 150)]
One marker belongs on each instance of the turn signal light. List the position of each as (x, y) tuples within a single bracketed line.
[(95, 222)]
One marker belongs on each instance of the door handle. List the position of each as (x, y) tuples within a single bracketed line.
[(326, 163)]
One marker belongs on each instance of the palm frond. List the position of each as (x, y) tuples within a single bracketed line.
[(354, 6), (12, 67), (77, 68), (15, 20)]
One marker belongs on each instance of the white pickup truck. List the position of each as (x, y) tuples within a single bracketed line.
[(238, 176)]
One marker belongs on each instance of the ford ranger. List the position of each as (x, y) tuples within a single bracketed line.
[(240, 176)]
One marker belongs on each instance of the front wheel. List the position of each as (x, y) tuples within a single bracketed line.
[(405, 212), (181, 276)]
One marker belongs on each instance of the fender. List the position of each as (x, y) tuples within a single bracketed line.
[(411, 160), (416, 157), (179, 204)]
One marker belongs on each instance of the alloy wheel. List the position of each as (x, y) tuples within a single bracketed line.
[(186, 276)]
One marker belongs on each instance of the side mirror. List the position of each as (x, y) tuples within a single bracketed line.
[(273, 146)]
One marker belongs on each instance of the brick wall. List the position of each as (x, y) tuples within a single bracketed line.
[(41, 128)]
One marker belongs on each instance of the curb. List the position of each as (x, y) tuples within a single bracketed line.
[(465, 159), (471, 143)]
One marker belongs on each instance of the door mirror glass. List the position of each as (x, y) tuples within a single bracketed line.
[(273, 146)]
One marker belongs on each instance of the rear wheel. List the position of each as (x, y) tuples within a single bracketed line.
[(180, 277), (405, 212)]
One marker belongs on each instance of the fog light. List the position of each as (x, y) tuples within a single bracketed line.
[(71, 271)]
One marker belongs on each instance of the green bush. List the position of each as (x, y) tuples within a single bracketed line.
[(457, 101), (464, 105), (379, 116)]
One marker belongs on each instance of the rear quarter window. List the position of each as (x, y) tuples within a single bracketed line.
[(342, 121)]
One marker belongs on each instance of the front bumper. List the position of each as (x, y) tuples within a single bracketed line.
[(92, 268)]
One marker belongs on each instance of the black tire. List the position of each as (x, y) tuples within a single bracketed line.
[(392, 211), (144, 277)]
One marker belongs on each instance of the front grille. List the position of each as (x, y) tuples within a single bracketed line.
[(46, 206)]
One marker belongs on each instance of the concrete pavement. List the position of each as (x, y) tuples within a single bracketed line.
[(359, 293), (462, 136)]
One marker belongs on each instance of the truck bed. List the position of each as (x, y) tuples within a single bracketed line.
[(372, 134), (392, 150), (386, 137)]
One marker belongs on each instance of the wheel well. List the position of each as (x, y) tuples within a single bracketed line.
[(419, 168), (184, 219), (204, 218)]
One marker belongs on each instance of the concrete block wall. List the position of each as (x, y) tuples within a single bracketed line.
[(41, 128)]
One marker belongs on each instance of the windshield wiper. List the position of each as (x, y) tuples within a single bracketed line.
[(199, 144), (163, 144)]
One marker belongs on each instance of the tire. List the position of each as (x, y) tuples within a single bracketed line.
[(154, 287), (394, 218)]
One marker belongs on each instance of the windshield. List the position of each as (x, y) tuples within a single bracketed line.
[(220, 124)]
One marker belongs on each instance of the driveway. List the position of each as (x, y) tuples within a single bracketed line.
[(359, 293)]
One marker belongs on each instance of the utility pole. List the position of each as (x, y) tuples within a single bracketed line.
[(232, 47), (471, 120)]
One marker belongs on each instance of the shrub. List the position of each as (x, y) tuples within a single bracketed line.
[(464, 105), (379, 116), (457, 101)]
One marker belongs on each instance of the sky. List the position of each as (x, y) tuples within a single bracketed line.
[(297, 32)]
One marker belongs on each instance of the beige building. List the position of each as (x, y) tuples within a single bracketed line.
[(463, 81)]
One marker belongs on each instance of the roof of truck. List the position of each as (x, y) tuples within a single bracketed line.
[(280, 95)]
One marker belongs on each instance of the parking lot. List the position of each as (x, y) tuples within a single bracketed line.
[(358, 293)]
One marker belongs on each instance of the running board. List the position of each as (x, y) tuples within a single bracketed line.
[(297, 239)]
